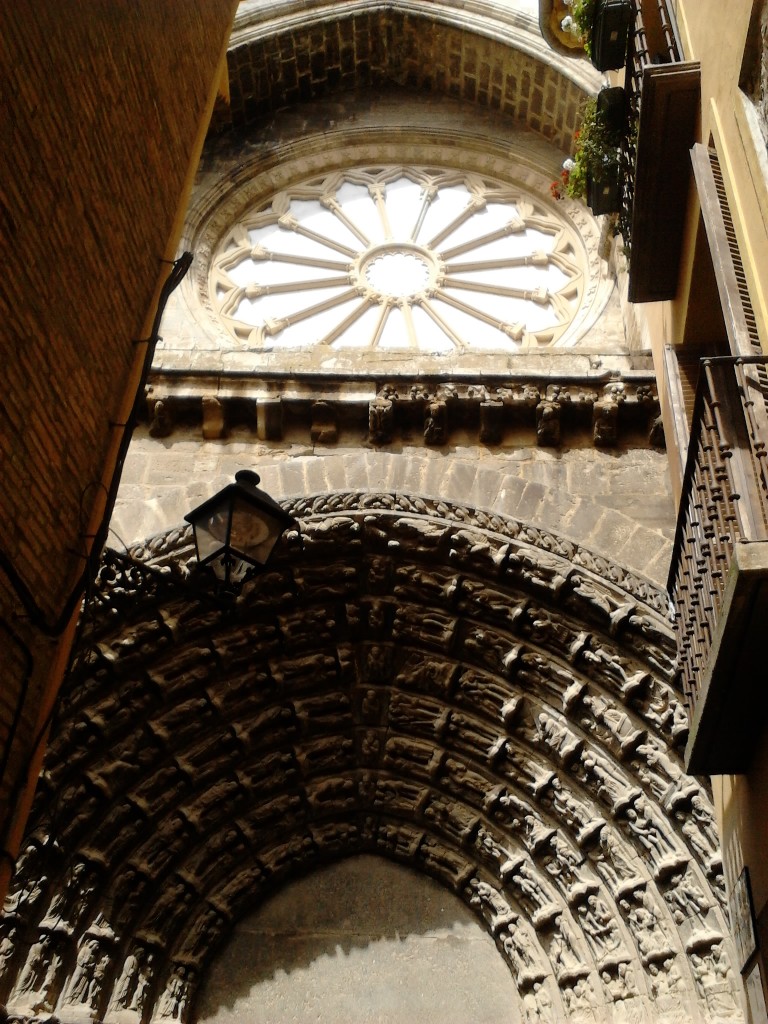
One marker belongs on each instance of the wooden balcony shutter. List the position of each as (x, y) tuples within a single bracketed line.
[(738, 313), (682, 364)]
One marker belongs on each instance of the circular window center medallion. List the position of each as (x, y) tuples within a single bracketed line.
[(397, 274)]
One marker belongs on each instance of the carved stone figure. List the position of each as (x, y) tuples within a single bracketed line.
[(84, 973), (620, 984), (175, 900), (705, 819), (436, 423), (601, 604), (579, 999), (7, 951), (447, 864), (489, 847), (563, 949), (667, 987), (614, 721), (550, 631), (562, 862), (647, 929), (414, 714), (125, 986), (35, 967), (544, 1004), (96, 982), (49, 988), (162, 419), (558, 737), (519, 949), (608, 781), (531, 894), (449, 818), (431, 628), (525, 770), (72, 899), (381, 420), (605, 422), (537, 834), (651, 834), (411, 755), (128, 892), (469, 785), (599, 926), (575, 814), (548, 424), (712, 975), (25, 896), (483, 692), (173, 1002), (685, 898), (491, 904), (698, 842), (659, 762)]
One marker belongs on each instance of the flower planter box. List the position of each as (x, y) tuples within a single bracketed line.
[(609, 34), (604, 190), (612, 109)]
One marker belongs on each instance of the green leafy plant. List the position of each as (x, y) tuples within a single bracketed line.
[(583, 14), (596, 146)]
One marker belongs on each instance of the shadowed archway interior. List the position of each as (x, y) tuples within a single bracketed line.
[(327, 947), (461, 692)]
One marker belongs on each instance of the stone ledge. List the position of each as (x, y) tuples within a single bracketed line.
[(610, 405)]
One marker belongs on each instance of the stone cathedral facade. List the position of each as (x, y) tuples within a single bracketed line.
[(461, 660)]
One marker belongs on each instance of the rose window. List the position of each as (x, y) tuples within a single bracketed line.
[(399, 258)]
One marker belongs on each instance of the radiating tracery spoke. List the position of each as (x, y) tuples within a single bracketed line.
[(386, 257)]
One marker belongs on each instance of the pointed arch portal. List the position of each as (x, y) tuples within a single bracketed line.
[(457, 691)]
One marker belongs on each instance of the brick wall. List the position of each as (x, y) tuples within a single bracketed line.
[(102, 108)]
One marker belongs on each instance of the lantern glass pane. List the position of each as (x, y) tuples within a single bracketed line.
[(211, 532), (254, 531), (229, 568)]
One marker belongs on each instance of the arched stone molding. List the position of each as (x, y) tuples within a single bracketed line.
[(513, 26), (534, 490), (458, 691)]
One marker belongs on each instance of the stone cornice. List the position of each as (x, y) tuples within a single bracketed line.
[(612, 404)]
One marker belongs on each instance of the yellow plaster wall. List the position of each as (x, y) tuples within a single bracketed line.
[(741, 803), (715, 34)]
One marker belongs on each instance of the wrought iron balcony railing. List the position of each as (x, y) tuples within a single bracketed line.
[(724, 504), (653, 40), (663, 96)]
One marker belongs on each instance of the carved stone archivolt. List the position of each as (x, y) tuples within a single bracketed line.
[(463, 693)]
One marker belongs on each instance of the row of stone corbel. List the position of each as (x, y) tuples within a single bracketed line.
[(408, 408)]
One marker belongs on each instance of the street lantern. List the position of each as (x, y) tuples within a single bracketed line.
[(237, 529)]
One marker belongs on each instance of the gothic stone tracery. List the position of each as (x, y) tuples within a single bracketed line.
[(468, 695)]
